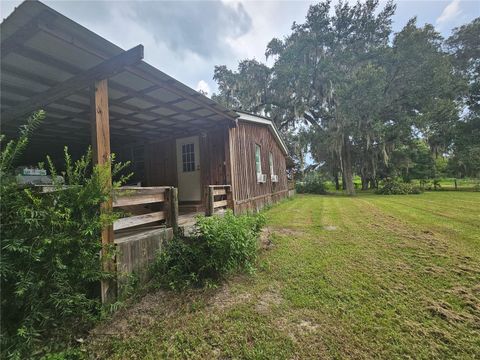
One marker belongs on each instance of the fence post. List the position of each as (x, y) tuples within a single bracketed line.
[(171, 207), (210, 199), (228, 189)]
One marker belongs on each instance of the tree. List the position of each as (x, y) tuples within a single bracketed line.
[(361, 90)]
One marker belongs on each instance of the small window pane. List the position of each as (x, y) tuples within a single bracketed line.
[(270, 161), (188, 157), (258, 161)]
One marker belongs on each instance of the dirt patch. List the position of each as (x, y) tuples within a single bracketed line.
[(225, 299), (330, 228), (142, 314), (445, 311), (284, 231), (267, 299), (265, 240), (307, 326)]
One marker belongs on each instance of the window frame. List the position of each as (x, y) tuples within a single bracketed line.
[(270, 163), (188, 157), (258, 162)]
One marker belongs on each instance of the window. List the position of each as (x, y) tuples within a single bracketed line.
[(258, 160), (188, 157), (270, 162)]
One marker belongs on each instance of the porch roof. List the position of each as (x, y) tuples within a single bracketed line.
[(41, 48)]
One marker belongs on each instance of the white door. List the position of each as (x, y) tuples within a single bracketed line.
[(188, 169)]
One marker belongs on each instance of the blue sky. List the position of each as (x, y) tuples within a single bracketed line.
[(186, 39)]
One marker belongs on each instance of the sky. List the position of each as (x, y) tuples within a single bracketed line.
[(186, 39)]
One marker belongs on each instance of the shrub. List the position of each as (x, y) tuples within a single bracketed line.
[(394, 187), (50, 260), (221, 245), (313, 183)]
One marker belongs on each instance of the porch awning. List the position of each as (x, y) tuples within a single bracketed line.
[(40, 48)]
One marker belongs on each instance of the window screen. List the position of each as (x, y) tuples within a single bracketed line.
[(258, 161), (188, 157)]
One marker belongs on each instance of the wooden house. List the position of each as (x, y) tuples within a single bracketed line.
[(189, 154)]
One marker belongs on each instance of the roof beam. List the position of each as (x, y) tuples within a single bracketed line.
[(78, 82)]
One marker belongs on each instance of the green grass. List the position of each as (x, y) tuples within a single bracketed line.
[(364, 277)]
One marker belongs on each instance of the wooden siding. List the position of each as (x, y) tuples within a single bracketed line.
[(161, 160), (161, 164), (248, 194)]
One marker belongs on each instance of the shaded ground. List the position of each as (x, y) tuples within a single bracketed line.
[(365, 277)]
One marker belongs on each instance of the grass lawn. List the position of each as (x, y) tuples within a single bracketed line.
[(364, 277)]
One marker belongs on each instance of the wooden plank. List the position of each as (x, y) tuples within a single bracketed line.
[(78, 82), (219, 186), (159, 188), (138, 199), (219, 192), (100, 126), (229, 167), (138, 220), (221, 203)]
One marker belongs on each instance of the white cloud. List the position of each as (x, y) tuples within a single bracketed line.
[(449, 13), (203, 86)]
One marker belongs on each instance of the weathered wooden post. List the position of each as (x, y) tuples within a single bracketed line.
[(228, 190), (171, 207), (101, 155), (210, 199)]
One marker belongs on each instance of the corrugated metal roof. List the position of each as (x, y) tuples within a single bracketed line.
[(42, 48)]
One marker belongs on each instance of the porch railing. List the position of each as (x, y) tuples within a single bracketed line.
[(147, 205), (218, 196)]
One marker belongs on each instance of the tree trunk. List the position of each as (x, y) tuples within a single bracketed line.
[(344, 183), (364, 182), (337, 182), (347, 167)]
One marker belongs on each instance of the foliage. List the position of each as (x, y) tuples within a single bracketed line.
[(220, 246), (313, 183), (50, 260), (360, 91), (394, 187), (465, 160)]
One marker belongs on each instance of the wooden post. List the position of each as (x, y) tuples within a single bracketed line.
[(171, 206), (228, 189), (210, 199), (101, 155), (229, 173)]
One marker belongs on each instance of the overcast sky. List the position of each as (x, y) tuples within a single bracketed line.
[(186, 39)]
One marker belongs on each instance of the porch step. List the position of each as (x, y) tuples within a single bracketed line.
[(190, 208)]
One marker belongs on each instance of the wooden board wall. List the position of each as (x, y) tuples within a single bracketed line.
[(161, 164), (161, 160), (248, 193)]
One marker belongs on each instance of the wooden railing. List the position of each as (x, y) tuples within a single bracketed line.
[(147, 205), (213, 193)]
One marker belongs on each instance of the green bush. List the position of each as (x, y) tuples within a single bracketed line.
[(394, 187), (313, 183), (221, 245), (50, 260)]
